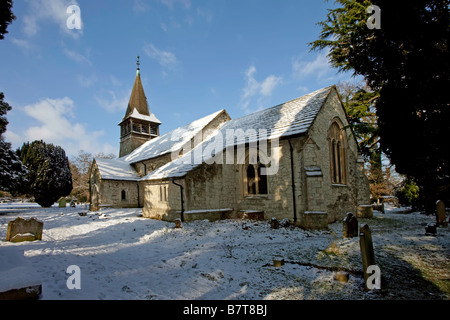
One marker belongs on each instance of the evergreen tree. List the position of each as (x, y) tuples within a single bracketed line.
[(407, 61), (6, 16), (49, 172), (12, 171)]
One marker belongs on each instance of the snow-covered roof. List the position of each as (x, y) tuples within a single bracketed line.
[(171, 141), (291, 118), (116, 169), (136, 115)]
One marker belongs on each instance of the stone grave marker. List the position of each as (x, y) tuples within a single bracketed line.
[(440, 214), (24, 230), (367, 253), (365, 211), (62, 203), (350, 226), (274, 223), (430, 229)]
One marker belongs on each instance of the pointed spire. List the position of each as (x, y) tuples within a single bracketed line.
[(138, 100)]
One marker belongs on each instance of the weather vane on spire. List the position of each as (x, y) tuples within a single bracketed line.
[(138, 63)]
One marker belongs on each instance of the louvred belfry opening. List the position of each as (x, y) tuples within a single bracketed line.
[(139, 125)]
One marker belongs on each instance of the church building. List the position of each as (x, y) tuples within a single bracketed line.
[(298, 160)]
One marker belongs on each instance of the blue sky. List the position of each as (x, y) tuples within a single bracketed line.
[(71, 87)]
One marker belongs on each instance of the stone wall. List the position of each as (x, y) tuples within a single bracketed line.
[(108, 193), (317, 200), (337, 199)]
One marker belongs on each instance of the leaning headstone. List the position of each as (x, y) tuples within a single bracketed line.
[(367, 253), (21, 229), (440, 213), (62, 203), (350, 226)]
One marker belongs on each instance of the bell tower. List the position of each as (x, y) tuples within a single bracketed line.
[(139, 125)]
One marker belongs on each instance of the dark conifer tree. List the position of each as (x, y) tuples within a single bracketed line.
[(407, 61), (49, 173), (12, 171)]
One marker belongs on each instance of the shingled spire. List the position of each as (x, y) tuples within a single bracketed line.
[(139, 125), (138, 100)]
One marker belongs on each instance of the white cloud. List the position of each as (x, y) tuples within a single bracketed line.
[(206, 14), (269, 85), (164, 58), (318, 67), (139, 6), (77, 57), (57, 124), (24, 44), (262, 90), (88, 81), (54, 11), (112, 103), (171, 3)]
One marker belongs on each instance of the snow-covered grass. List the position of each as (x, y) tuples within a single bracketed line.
[(124, 256)]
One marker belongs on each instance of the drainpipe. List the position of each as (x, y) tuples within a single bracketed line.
[(138, 196), (182, 199), (291, 149)]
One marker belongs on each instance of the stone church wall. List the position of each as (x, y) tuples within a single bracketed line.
[(337, 199), (108, 193)]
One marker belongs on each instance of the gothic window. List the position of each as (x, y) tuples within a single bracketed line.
[(254, 181), (124, 195), (338, 162)]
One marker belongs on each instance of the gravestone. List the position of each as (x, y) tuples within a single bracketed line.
[(440, 214), (24, 230), (62, 203), (350, 226), (430, 229), (274, 224), (177, 223), (367, 253), (365, 211)]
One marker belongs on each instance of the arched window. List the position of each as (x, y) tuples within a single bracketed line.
[(124, 195), (338, 158), (254, 181)]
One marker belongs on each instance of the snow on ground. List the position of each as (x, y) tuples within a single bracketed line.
[(124, 256)]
